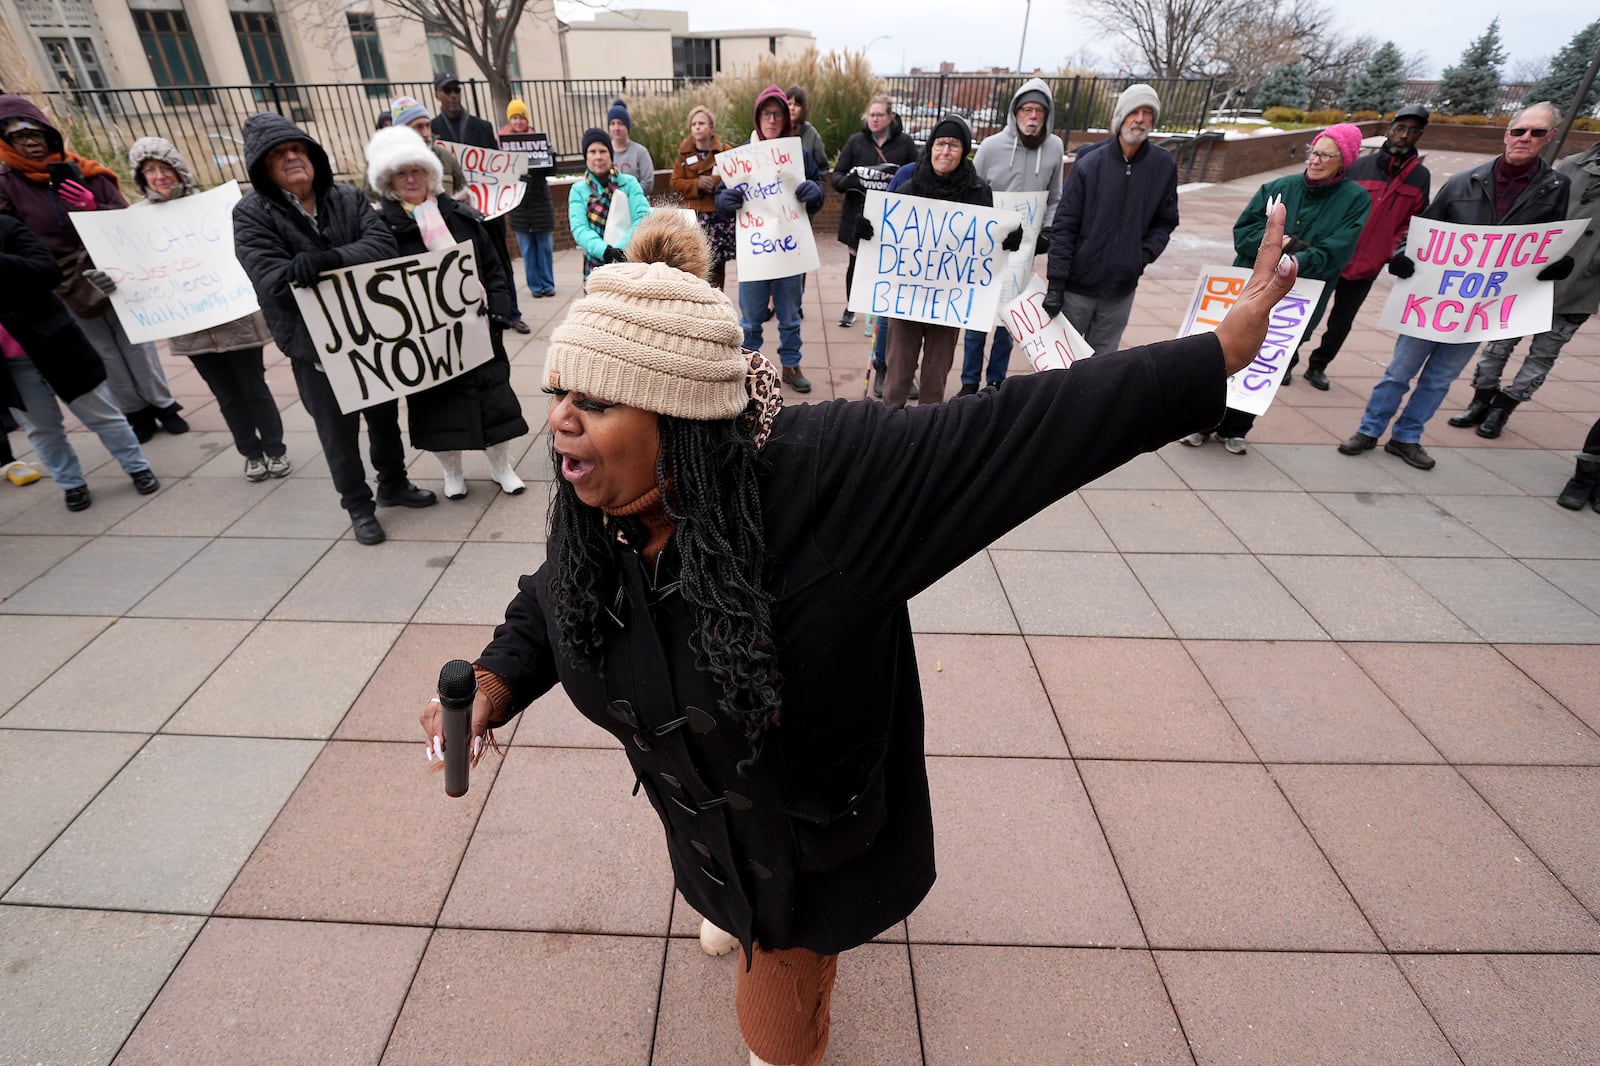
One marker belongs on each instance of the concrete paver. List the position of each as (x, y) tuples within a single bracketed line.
[(1372, 752)]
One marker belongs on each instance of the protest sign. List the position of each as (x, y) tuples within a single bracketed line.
[(1477, 283), (536, 146), (1218, 289), (494, 178), (1048, 343), (173, 263), (619, 220), (932, 261), (1019, 264), (774, 239), (386, 330)]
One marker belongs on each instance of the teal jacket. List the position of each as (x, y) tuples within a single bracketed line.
[(589, 238)]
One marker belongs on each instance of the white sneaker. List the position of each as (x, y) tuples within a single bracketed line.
[(455, 482), (278, 465), (255, 470), (1235, 445), (714, 941), (1194, 440), (500, 468)]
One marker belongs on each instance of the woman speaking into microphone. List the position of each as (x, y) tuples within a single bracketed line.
[(726, 582)]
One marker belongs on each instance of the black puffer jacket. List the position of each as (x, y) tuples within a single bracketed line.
[(34, 315), (473, 410), (861, 151), (269, 231)]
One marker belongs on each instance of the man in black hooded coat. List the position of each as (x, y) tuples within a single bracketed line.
[(289, 229)]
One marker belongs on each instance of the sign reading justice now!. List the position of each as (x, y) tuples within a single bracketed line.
[(1477, 283), (386, 330)]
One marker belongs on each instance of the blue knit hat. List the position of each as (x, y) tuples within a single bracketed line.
[(406, 110), (619, 110)]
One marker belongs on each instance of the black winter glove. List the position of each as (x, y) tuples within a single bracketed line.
[(864, 230), (1401, 265), (849, 182), (1295, 245), (614, 255), (1561, 268), (307, 266), (1013, 240), (1042, 245), (1053, 299)]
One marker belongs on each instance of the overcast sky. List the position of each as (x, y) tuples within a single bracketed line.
[(977, 34)]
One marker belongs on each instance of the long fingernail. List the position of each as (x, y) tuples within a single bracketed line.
[(477, 746), (1285, 264), (427, 751), (438, 746)]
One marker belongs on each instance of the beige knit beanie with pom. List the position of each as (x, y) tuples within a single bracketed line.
[(654, 337)]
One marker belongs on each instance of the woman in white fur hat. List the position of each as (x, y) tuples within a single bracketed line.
[(475, 411)]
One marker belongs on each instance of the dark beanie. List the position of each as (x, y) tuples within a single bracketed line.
[(953, 125), (1032, 96), (594, 136), (619, 110)]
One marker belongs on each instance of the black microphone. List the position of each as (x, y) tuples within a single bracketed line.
[(458, 686)]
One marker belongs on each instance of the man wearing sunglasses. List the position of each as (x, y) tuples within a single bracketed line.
[(1516, 188)]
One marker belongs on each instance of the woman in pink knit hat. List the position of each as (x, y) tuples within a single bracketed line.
[(1326, 213)]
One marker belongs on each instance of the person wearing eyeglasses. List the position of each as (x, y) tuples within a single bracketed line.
[(1399, 186), (1326, 214), (1516, 188), (1577, 296)]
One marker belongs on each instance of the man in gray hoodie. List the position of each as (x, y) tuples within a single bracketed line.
[(1023, 157)]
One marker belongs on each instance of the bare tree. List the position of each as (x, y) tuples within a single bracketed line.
[(1418, 66), (1536, 68), (1174, 38)]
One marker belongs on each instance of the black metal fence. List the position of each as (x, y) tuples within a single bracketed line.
[(1080, 103), (205, 122)]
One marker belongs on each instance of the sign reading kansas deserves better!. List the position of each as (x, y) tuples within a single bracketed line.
[(386, 330), (931, 261), (173, 263), (774, 238), (1477, 283)]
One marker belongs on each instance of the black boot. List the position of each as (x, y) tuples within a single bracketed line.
[(170, 419), (1477, 410), (143, 422), (1584, 484), (1500, 409)]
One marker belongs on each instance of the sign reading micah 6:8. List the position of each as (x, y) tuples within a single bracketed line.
[(386, 330)]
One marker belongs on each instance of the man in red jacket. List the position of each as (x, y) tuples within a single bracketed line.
[(1398, 183)]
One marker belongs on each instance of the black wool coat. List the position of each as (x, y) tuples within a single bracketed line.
[(471, 411), (33, 314), (828, 841), (269, 231)]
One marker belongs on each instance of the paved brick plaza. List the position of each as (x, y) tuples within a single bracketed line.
[(1282, 758)]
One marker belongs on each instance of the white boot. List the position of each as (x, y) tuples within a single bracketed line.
[(455, 482), (757, 1060), (714, 941), (500, 468)]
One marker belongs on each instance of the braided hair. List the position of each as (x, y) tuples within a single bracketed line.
[(707, 473)]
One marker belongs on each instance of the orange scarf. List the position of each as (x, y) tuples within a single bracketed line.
[(37, 172)]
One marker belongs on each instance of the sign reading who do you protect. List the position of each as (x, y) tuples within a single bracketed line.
[(386, 330)]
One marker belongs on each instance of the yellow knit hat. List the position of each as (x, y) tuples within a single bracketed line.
[(515, 108), (653, 337)]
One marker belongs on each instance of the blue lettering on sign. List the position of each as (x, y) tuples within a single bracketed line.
[(766, 245)]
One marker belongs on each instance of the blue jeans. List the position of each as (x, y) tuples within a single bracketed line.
[(48, 434), (538, 260), (1435, 365), (999, 356), (784, 295)]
